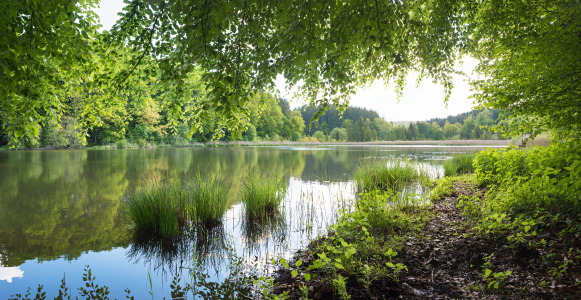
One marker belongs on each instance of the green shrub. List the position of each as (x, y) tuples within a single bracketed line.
[(121, 144), (320, 136), (262, 195), (295, 136), (142, 143), (459, 164), (387, 175), (546, 176)]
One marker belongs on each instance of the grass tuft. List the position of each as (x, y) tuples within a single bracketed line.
[(388, 175), (262, 195), (166, 207), (161, 208), (459, 164), (209, 201)]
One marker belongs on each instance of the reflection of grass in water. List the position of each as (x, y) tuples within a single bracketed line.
[(388, 175), (262, 231), (459, 164), (262, 195), (165, 206), (208, 245)]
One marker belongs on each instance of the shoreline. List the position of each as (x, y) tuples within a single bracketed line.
[(443, 256), (496, 143)]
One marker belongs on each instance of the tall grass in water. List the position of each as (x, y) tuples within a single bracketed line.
[(161, 208), (262, 195), (459, 164), (166, 207), (388, 175), (208, 201)]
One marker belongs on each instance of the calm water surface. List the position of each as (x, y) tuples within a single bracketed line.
[(61, 210)]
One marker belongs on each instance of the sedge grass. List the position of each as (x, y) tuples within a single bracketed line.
[(165, 207), (161, 208), (208, 201), (262, 195), (388, 175), (459, 164)]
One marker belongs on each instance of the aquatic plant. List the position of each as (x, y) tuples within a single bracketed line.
[(208, 200), (160, 208), (262, 195), (459, 164), (388, 175)]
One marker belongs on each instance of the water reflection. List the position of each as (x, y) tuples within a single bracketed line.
[(65, 206), (166, 254)]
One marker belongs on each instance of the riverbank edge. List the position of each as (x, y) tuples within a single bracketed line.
[(492, 143), (445, 258)]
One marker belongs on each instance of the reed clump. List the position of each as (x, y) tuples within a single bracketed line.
[(208, 201), (262, 195), (167, 207), (388, 175), (160, 208), (459, 164)]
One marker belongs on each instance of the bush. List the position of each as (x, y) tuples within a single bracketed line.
[(319, 135), (142, 143), (121, 144), (295, 136), (545, 176), (250, 134)]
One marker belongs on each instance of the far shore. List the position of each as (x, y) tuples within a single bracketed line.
[(497, 143)]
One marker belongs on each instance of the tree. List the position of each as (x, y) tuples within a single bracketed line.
[(449, 130), (250, 134), (296, 136), (528, 53), (320, 136), (338, 134)]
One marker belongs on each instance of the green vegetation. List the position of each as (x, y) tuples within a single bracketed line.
[(165, 207), (161, 208), (262, 195), (208, 201), (459, 164), (529, 199), (160, 91), (387, 175), (362, 243)]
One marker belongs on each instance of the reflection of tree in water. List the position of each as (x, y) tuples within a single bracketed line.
[(205, 245)]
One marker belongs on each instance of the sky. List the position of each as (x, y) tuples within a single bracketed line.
[(417, 104)]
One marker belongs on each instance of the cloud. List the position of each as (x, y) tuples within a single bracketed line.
[(7, 273)]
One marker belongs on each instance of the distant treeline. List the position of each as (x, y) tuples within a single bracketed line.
[(269, 119), (362, 125)]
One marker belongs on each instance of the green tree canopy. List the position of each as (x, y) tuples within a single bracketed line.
[(528, 52)]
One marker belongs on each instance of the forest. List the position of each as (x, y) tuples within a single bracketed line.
[(148, 126)]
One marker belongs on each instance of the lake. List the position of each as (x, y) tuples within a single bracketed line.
[(62, 210)]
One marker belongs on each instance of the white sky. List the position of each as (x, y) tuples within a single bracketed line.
[(417, 104)]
